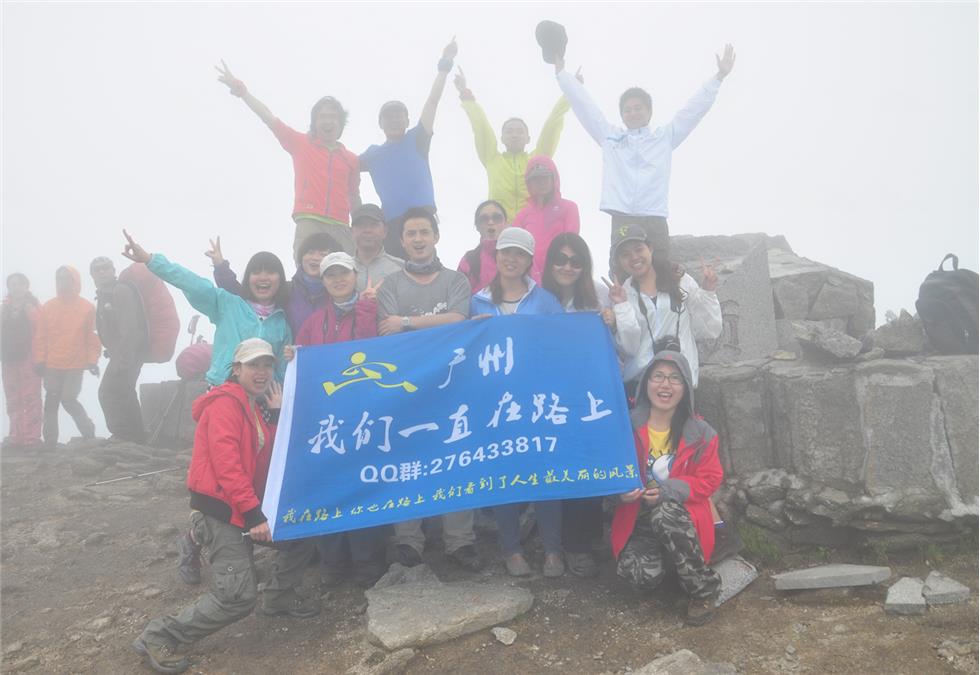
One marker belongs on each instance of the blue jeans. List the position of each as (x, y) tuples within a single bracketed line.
[(548, 515)]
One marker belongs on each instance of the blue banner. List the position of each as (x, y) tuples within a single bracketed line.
[(507, 409)]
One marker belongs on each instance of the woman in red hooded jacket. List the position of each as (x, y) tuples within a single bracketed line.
[(668, 522), (546, 215)]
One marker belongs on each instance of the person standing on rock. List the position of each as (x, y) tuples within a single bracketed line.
[(668, 523), (122, 327), (226, 479), (425, 295), (636, 160), (327, 175), (65, 345), (21, 385)]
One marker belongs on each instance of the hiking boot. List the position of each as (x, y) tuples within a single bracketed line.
[(407, 556), (160, 657), (289, 602), (332, 576), (701, 610), (188, 559), (582, 565), (467, 558), (554, 566), (727, 543), (517, 565)]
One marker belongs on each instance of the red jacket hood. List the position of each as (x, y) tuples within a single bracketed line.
[(232, 389), (548, 163)]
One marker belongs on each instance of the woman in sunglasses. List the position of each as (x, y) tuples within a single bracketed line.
[(479, 265), (568, 275)]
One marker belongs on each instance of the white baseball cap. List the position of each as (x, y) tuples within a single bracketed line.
[(251, 349), (339, 258), (516, 237)]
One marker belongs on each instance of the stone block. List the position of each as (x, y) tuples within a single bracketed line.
[(684, 662), (941, 590), (735, 401), (900, 337), (428, 612), (736, 574), (167, 411), (902, 426), (831, 576), (816, 420), (764, 518), (826, 340), (956, 384), (905, 597)]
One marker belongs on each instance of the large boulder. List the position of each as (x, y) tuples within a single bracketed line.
[(167, 411), (956, 386)]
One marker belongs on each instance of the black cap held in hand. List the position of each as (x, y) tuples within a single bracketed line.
[(552, 38)]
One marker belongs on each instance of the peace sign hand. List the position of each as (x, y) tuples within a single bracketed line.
[(236, 86), (134, 251), (709, 278), (370, 291), (215, 253), (617, 293), (273, 396)]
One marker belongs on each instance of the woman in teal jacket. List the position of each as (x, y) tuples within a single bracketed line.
[(257, 312)]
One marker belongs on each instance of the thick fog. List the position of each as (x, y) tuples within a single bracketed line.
[(849, 128)]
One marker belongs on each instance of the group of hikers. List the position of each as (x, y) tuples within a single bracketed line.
[(366, 270)]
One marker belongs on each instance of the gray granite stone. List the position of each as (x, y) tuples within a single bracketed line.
[(684, 662), (736, 574), (941, 590), (831, 576), (905, 597)]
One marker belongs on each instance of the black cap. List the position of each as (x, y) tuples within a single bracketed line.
[(624, 233), (369, 211), (552, 38)]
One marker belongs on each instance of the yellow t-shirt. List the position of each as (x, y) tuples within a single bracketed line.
[(659, 445)]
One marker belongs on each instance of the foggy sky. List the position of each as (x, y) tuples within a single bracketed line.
[(849, 128)]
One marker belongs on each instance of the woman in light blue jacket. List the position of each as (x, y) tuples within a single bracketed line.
[(258, 312), (512, 291)]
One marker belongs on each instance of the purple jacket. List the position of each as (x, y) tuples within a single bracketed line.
[(302, 303)]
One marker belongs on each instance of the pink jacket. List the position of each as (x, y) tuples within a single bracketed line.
[(322, 327), (488, 266), (546, 220)]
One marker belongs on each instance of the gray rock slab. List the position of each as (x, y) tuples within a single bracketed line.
[(734, 399), (428, 612), (831, 576), (504, 635), (902, 336), (956, 384), (905, 597), (736, 574), (826, 340), (764, 518), (684, 662), (399, 574), (941, 590)]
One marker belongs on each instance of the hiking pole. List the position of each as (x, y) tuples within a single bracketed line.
[(138, 475)]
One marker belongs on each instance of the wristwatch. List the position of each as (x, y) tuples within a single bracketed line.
[(406, 322)]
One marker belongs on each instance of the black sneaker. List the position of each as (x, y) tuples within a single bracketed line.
[(289, 602), (160, 657), (407, 556), (188, 560), (467, 558)]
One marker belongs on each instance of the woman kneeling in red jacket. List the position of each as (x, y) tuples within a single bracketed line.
[(226, 479), (669, 523)]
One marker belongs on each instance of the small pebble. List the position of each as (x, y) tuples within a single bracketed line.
[(152, 592)]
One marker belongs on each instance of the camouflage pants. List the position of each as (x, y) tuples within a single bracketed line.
[(665, 536)]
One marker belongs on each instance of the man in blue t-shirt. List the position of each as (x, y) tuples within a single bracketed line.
[(399, 167)]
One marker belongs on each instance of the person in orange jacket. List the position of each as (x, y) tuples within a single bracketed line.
[(65, 345)]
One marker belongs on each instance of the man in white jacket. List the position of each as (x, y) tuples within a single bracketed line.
[(636, 159)]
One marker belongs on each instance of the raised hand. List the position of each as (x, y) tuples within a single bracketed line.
[(134, 251), (288, 353), (215, 252), (370, 291), (235, 86), (450, 50), (709, 278), (617, 293), (725, 63), (459, 80), (273, 396)]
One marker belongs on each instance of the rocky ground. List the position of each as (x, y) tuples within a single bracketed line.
[(84, 568)]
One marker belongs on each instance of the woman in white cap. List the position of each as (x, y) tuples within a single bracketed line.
[(513, 291), (347, 315), (226, 479)]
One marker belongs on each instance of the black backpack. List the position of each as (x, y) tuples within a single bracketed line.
[(948, 308)]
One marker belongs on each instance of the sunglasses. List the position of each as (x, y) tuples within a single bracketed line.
[(560, 260), (487, 218)]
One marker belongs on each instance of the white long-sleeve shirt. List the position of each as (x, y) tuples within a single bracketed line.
[(636, 163), (699, 318)]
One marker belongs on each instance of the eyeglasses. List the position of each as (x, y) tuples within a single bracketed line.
[(560, 260), (673, 378), (487, 218)]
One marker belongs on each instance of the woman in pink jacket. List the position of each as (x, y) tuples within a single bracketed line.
[(479, 265), (546, 215)]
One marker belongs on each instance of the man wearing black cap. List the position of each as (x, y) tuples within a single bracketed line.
[(122, 327), (371, 260), (399, 167)]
